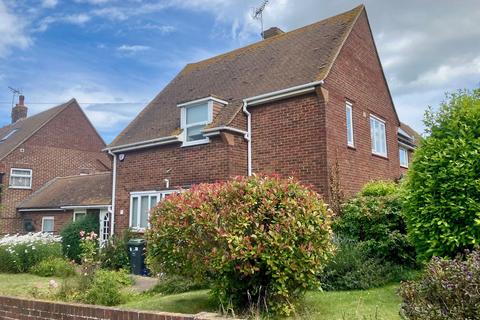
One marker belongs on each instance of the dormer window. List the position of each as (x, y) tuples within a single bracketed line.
[(195, 116)]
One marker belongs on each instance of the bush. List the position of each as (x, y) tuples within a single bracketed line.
[(56, 267), (256, 238), (177, 284), (19, 253), (374, 221), (443, 189), (114, 256), (106, 288), (450, 289), (71, 235), (351, 269)]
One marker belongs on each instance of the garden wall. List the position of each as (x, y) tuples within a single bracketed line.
[(26, 309)]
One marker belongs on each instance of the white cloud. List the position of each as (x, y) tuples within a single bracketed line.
[(49, 3), (131, 49), (12, 32), (79, 19)]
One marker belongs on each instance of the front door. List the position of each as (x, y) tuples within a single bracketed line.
[(104, 227)]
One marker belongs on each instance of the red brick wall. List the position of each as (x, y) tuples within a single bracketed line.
[(145, 170), (288, 138), (63, 147), (357, 76), (26, 309), (61, 218)]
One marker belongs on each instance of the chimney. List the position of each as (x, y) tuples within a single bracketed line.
[(20, 110), (273, 31)]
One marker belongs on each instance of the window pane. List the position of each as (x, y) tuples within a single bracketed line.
[(144, 210), (134, 212), (20, 181), (47, 225), (379, 139), (195, 133), (349, 126), (153, 201), (21, 172), (403, 157), (197, 114)]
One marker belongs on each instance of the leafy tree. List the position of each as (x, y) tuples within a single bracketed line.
[(443, 188), (261, 241)]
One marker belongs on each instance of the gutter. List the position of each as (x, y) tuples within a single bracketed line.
[(40, 209), (100, 206), (270, 97), (142, 144)]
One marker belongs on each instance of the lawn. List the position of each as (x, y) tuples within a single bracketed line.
[(381, 303), (20, 285)]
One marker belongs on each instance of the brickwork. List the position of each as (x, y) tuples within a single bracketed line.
[(25, 309), (67, 145), (357, 76), (61, 218), (146, 169)]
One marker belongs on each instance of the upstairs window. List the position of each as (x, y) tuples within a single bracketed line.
[(349, 114), (403, 157), (378, 136), (20, 178), (195, 116)]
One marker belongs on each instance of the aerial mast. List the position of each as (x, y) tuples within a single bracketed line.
[(258, 13)]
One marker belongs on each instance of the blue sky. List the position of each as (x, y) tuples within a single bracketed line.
[(115, 55)]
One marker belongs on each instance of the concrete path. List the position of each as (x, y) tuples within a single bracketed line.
[(143, 284)]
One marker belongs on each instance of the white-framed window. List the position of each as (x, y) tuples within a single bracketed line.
[(403, 153), (48, 224), (349, 115), (140, 205), (20, 178), (194, 120), (378, 136)]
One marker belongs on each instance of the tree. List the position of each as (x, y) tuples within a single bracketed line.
[(443, 187)]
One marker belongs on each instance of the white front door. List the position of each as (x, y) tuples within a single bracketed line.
[(104, 217)]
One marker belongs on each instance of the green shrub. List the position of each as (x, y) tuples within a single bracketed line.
[(71, 235), (56, 267), (443, 189), (374, 221), (106, 288), (114, 255), (19, 253), (449, 289), (177, 284), (256, 238), (351, 269)]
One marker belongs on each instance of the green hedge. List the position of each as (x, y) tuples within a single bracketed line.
[(71, 235)]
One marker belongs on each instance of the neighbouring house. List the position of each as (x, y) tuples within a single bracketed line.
[(57, 142), (67, 198), (311, 103)]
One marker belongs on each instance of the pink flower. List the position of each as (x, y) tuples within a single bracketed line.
[(82, 233)]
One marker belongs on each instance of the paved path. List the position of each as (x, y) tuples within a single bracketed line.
[(143, 284)]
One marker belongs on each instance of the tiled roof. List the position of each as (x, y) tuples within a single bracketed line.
[(293, 58), (82, 190), (25, 128), (411, 132)]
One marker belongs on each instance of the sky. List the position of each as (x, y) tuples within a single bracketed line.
[(114, 56)]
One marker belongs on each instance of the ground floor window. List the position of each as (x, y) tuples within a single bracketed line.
[(403, 157), (140, 205), (82, 212), (48, 224)]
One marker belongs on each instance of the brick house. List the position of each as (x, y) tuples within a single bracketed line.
[(60, 141), (313, 103)]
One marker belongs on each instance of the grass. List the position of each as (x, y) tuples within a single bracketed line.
[(374, 304), (20, 285)]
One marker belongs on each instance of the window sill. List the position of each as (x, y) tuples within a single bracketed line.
[(383, 156), (21, 188), (404, 167), (351, 147), (138, 230), (195, 143)]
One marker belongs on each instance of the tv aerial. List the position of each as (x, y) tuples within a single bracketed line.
[(15, 92), (258, 13)]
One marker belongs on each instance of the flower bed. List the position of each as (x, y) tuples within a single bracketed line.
[(19, 253)]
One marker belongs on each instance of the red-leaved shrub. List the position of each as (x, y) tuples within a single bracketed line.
[(260, 240)]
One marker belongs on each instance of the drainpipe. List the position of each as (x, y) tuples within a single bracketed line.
[(248, 137), (114, 183)]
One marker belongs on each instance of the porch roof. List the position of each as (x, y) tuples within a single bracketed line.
[(72, 191)]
